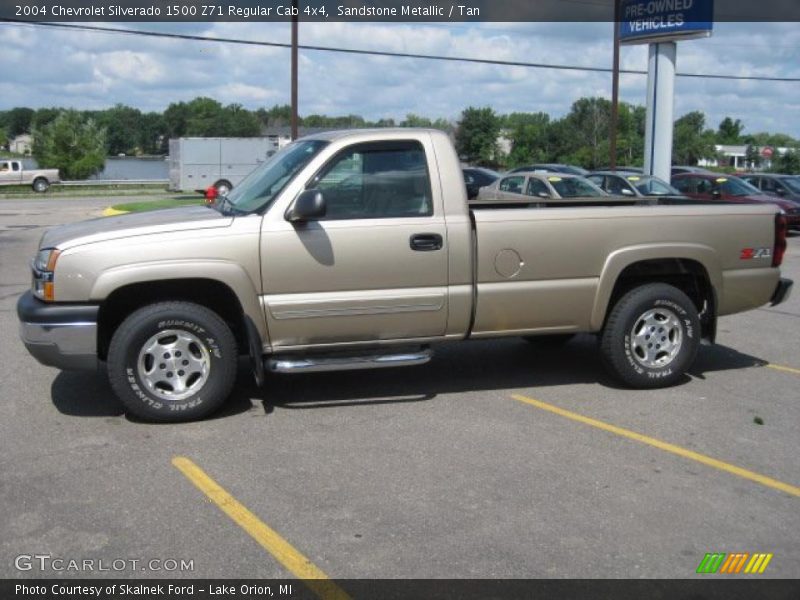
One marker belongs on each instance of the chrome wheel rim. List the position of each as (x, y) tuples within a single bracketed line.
[(656, 338), (174, 364)]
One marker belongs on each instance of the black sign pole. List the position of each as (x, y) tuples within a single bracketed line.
[(294, 69)]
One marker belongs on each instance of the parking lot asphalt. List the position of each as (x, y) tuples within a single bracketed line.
[(499, 459)]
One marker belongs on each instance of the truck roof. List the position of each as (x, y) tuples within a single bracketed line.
[(337, 134)]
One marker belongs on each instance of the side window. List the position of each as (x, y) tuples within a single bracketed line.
[(15, 166), (3, 167), (512, 184), (468, 179), (768, 185), (377, 181), (537, 187)]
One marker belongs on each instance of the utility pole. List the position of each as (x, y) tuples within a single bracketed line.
[(612, 128), (294, 68)]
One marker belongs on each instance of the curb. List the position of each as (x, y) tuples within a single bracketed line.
[(112, 212)]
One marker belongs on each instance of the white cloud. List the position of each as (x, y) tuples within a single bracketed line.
[(48, 67)]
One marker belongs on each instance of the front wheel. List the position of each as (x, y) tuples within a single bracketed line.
[(651, 336), (41, 185), (172, 361)]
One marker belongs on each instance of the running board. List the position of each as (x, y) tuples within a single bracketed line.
[(343, 362)]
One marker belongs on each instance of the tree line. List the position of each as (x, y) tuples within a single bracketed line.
[(78, 141)]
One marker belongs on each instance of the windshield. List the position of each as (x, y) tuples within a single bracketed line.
[(736, 187), (793, 183), (262, 185), (652, 186), (574, 187)]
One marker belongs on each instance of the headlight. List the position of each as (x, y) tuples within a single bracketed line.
[(46, 260), (43, 267)]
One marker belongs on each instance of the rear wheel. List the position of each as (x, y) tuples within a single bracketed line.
[(223, 188), (172, 361), (651, 336), (40, 185)]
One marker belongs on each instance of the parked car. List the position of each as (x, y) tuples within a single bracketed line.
[(619, 169), (728, 188), (526, 188), (774, 184), (632, 184), (477, 177), (13, 173), (678, 169), (551, 168), (290, 270)]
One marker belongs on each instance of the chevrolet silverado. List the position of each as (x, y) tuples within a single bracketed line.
[(357, 249)]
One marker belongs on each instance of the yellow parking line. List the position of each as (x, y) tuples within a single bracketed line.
[(317, 581), (667, 447), (783, 368)]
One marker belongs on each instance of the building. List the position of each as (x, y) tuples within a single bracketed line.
[(736, 156), (21, 144)]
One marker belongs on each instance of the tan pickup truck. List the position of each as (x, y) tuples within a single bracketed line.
[(13, 173), (356, 249)]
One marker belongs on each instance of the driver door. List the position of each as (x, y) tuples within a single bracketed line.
[(374, 268)]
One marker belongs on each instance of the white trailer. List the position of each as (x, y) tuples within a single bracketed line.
[(196, 163)]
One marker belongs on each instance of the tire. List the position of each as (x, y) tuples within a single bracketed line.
[(658, 357), (552, 340), (223, 187), (40, 185), (148, 350)]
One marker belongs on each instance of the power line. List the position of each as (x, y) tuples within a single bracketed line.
[(356, 51)]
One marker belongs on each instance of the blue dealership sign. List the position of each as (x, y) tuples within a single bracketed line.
[(647, 21)]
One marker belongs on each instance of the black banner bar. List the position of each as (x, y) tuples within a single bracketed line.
[(452, 11), (706, 588)]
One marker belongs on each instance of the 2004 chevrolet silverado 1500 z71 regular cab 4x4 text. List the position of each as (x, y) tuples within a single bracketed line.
[(357, 249)]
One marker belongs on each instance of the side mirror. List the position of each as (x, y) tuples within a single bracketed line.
[(627, 192), (309, 205), (780, 191), (543, 195), (716, 194)]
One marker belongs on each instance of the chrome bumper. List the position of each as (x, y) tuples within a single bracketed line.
[(62, 336)]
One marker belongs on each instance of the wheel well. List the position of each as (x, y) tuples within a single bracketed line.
[(225, 181), (210, 293), (687, 275)]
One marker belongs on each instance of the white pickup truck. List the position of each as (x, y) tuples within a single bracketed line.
[(13, 173)]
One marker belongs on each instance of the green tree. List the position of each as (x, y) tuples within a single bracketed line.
[(72, 144), (529, 134), (476, 135), (588, 130), (788, 163), (151, 135), (18, 121), (237, 121), (44, 116), (176, 120), (122, 124), (691, 141), (730, 131)]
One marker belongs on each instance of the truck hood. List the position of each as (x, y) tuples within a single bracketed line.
[(134, 224)]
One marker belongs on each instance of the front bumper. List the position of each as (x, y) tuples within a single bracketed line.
[(782, 292), (59, 335)]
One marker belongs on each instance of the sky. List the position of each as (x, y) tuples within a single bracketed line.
[(46, 67)]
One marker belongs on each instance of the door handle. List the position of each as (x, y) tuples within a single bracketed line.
[(426, 242)]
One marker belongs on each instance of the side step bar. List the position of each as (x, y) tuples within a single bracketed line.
[(343, 362)]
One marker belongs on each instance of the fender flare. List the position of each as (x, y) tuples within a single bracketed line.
[(619, 260)]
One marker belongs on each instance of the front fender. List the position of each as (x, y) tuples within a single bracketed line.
[(227, 272)]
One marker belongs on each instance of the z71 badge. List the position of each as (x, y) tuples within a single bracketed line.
[(751, 253)]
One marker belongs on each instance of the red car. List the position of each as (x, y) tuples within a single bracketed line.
[(729, 188)]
